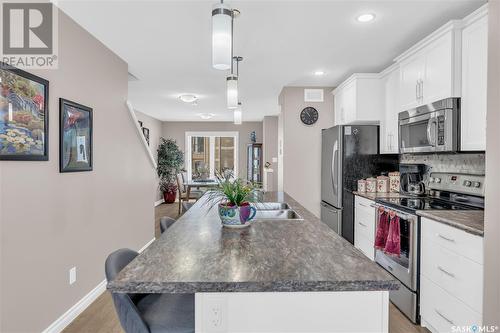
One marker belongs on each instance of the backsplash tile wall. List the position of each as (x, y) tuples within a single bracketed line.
[(458, 163)]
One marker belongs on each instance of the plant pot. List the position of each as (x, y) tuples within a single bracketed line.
[(233, 216), (169, 197)]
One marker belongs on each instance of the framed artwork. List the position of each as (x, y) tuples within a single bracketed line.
[(24, 115), (75, 137), (145, 132)]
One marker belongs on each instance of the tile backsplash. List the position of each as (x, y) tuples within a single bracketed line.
[(457, 163)]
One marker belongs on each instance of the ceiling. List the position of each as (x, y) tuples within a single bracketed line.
[(167, 45)]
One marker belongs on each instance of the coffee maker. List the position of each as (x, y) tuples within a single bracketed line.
[(412, 179)]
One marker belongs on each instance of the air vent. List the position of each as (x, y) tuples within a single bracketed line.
[(132, 77), (313, 95)]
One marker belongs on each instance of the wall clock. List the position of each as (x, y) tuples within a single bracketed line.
[(309, 115)]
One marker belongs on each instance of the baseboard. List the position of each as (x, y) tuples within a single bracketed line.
[(60, 323), (159, 202)]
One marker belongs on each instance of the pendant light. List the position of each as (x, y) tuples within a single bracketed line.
[(222, 36), (232, 85), (238, 115)]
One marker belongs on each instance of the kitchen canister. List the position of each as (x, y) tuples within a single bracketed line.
[(371, 185), (382, 184), (394, 179), (362, 185)]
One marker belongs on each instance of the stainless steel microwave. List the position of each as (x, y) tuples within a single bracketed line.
[(430, 128)]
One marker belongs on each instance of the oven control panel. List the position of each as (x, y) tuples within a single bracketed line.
[(457, 182)]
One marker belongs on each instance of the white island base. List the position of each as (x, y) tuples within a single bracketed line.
[(344, 311)]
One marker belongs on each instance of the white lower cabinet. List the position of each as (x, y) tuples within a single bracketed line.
[(451, 277), (364, 226)]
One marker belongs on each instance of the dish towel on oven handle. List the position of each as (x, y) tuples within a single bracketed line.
[(393, 243), (382, 229)]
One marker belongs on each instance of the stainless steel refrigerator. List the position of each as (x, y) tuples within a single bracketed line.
[(349, 153)]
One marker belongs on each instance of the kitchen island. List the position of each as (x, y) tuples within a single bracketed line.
[(292, 275)]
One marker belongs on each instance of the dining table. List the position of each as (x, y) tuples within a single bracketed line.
[(198, 184)]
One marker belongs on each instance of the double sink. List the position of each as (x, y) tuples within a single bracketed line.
[(275, 211)]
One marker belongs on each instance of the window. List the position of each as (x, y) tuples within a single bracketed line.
[(208, 153)]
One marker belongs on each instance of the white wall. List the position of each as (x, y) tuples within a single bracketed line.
[(270, 134), (155, 127), (302, 146), (492, 210)]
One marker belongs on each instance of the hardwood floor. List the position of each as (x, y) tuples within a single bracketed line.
[(100, 316)]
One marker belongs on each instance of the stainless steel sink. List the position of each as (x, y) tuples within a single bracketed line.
[(271, 205), (278, 214)]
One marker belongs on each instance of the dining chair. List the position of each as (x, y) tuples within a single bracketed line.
[(149, 313), (194, 193), (165, 223)]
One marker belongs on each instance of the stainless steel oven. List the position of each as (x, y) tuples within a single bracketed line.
[(430, 128), (405, 267)]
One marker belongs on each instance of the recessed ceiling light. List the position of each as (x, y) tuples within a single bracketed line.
[(205, 116), (366, 18), (319, 73), (188, 98)]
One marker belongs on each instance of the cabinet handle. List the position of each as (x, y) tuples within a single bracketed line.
[(444, 317), (446, 238), (445, 271), (362, 224), (421, 90)]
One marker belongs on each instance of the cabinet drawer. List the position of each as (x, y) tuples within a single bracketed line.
[(364, 225), (364, 204), (443, 311), (458, 275), (458, 241), (365, 245)]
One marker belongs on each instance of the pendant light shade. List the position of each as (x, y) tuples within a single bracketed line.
[(238, 115), (222, 36), (232, 91)]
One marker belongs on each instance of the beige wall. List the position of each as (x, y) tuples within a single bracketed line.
[(270, 134), (302, 146), (177, 130), (51, 221), (492, 195), (155, 132)]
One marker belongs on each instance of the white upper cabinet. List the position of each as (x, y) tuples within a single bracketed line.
[(389, 129), (430, 70), (474, 81), (358, 100)]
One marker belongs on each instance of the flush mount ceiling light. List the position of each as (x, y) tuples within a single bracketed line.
[(232, 85), (188, 98), (365, 17), (319, 73), (238, 115), (206, 116), (222, 36)]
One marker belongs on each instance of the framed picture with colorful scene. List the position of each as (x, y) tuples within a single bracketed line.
[(75, 137), (24, 115)]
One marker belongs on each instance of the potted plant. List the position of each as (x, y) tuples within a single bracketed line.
[(233, 197), (170, 163)]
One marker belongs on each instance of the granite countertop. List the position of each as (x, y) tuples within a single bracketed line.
[(373, 196), (471, 221), (197, 254)]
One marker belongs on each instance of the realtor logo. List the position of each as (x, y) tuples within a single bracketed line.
[(28, 34)]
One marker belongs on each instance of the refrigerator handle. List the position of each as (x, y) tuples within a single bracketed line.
[(335, 167)]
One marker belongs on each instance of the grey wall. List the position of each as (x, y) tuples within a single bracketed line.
[(270, 129), (177, 131), (50, 221), (491, 308), (301, 146), (155, 132)]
